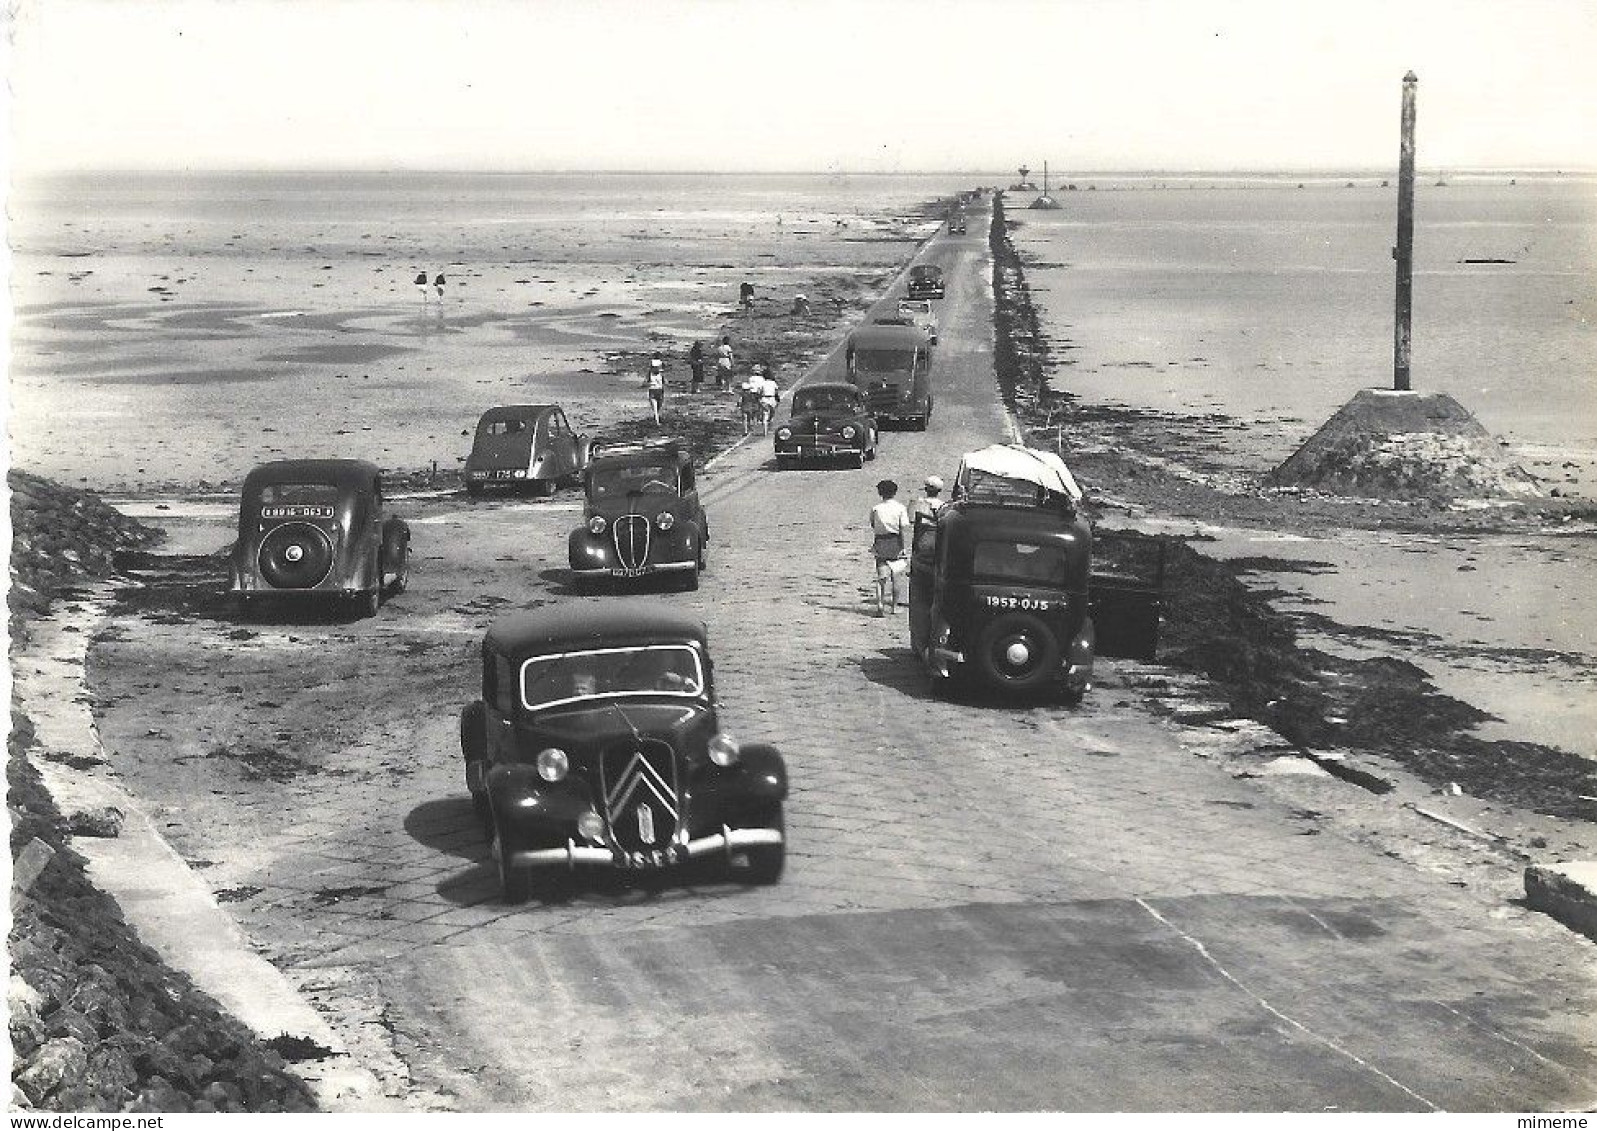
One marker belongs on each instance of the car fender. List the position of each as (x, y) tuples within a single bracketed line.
[(586, 550), (474, 731), (763, 772), (522, 800)]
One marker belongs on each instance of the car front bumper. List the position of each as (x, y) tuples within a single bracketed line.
[(728, 840)]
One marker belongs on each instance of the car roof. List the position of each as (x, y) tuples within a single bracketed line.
[(925, 269), (577, 625), (652, 452), (517, 412), (827, 387), (342, 472), (878, 334)]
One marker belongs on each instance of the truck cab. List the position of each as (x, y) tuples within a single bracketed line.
[(891, 364)]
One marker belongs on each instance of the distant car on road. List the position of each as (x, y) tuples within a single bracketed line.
[(829, 420), (526, 445), (892, 366), (956, 223), (1002, 590), (925, 281), (920, 314), (314, 530), (597, 743), (642, 515)]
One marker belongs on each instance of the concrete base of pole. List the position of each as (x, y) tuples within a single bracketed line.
[(1388, 444)]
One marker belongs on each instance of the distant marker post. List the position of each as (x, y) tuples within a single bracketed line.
[(1404, 251)]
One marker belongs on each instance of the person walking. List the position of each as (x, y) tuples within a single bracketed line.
[(749, 395), (890, 535), (931, 502), (421, 287), (723, 364), (770, 396), (438, 285), (656, 383), (696, 365)]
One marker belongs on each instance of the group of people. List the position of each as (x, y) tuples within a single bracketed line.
[(758, 396), (892, 526)]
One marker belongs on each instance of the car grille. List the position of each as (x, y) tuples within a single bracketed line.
[(632, 534), (641, 800), (884, 399)]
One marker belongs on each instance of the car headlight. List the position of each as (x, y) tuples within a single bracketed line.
[(849, 431), (665, 520), (784, 433), (724, 750), (591, 825), (553, 764), (519, 473), (597, 524)]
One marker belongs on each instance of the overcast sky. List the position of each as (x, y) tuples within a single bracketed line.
[(871, 85)]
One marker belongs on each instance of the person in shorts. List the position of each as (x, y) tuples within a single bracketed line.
[(656, 382), (891, 532), (770, 396), (723, 364)]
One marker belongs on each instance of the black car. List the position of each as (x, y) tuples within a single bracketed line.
[(314, 530), (596, 743), (642, 516), (1002, 589), (529, 446), (829, 420)]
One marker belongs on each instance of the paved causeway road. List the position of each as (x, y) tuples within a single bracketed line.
[(984, 908)]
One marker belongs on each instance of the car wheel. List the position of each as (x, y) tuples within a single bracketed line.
[(704, 551), (783, 463), (762, 864), (859, 459), (367, 604), (541, 488), (515, 885), (485, 815), (1017, 651), (690, 579), (473, 490)]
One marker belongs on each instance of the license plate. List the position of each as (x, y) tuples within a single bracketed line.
[(503, 473), (619, 571)]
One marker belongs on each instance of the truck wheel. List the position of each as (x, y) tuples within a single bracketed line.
[(1018, 652), (762, 864)]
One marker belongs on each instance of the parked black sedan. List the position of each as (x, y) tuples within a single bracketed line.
[(316, 530), (596, 743), (829, 420)]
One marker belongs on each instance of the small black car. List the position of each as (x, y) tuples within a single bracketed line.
[(525, 445), (314, 529), (1001, 585), (642, 516), (925, 281), (596, 743), (829, 420)]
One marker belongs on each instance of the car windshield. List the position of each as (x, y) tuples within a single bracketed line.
[(1020, 561), (826, 400), (610, 673), (884, 361), (926, 272), (621, 480), (919, 306), (299, 494)]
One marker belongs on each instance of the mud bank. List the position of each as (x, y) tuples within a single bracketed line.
[(1218, 626), (97, 1021)]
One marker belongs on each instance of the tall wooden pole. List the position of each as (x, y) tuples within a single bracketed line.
[(1404, 251)]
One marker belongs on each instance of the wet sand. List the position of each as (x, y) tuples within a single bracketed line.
[(172, 356)]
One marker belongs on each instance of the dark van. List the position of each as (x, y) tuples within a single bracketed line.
[(892, 366)]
